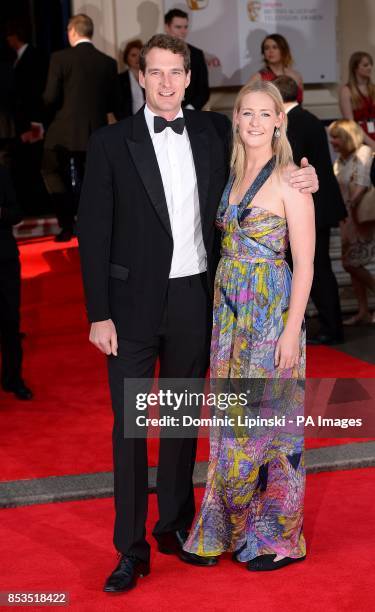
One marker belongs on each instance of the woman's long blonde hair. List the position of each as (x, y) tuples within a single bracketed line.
[(280, 146), (355, 60)]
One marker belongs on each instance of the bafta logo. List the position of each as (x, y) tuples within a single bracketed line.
[(253, 9), (196, 5)]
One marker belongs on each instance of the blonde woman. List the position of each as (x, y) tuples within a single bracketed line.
[(357, 97), (352, 169), (253, 503)]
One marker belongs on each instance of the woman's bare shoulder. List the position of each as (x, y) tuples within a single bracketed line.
[(344, 91), (287, 191), (284, 173)]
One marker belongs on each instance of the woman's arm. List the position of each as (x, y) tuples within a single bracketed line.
[(300, 216), (356, 194), (345, 103), (362, 179)]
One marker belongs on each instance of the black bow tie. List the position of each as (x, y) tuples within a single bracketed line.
[(177, 125)]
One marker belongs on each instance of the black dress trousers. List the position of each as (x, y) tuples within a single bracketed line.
[(324, 290), (11, 347), (182, 346)]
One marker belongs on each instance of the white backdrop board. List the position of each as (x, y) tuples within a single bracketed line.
[(232, 31)]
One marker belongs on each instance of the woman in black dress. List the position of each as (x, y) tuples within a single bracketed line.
[(130, 91)]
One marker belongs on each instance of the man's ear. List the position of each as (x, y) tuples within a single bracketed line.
[(188, 78), (141, 79)]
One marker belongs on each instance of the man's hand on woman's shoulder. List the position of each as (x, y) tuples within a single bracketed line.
[(304, 178)]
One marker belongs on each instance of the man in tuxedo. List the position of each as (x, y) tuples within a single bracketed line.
[(10, 287), (149, 249), (197, 93), (80, 92), (308, 137)]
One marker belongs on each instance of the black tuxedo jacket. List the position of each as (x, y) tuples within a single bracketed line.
[(80, 91), (308, 138), (198, 91), (10, 214), (124, 231), (30, 79), (125, 101), (7, 101)]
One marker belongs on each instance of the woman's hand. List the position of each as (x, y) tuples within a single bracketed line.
[(287, 350)]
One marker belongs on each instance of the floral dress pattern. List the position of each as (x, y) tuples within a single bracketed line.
[(253, 503)]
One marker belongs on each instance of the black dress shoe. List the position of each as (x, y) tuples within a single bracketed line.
[(325, 339), (171, 543), (124, 577), (20, 391), (266, 563), (197, 559), (64, 236)]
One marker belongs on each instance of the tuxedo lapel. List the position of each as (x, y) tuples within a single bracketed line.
[(199, 141), (143, 154)]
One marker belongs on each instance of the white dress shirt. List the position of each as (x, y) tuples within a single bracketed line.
[(20, 53), (137, 93), (83, 40), (289, 106), (176, 164)]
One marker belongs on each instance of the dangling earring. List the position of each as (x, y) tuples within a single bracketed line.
[(277, 133), (237, 129)]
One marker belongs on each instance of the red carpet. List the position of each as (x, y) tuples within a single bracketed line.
[(67, 547), (66, 429)]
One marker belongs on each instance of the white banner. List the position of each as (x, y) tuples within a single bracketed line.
[(230, 33)]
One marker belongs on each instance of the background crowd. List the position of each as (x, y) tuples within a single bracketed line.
[(48, 110)]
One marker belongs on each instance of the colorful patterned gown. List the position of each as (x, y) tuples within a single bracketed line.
[(253, 503)]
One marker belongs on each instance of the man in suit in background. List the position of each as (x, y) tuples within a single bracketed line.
[(149, 249), (198, 92), (30, 72), (308, 137), (10, 287), (7, 112), (80, 92)]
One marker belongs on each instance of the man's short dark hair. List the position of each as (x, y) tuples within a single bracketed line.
[(168, 17), (287, 87), (19, 28), (83, 25), (170, 43)]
